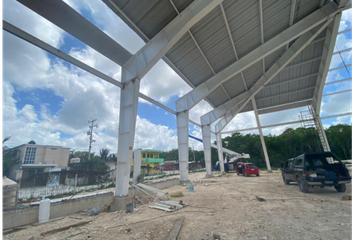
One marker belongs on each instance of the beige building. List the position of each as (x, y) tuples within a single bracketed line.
[(39, 158)]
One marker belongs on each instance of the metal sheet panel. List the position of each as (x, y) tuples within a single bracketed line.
[(218, 96), (276, 16), (212, 36), (234, 86), (244, 22), (304, 8)]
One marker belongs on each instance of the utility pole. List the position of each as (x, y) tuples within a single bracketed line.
[(90, 132)]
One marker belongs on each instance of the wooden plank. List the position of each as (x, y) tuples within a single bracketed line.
[(64, 228), (175, 229), (6, 232)]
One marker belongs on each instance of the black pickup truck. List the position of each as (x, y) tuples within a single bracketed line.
[(316, 169)]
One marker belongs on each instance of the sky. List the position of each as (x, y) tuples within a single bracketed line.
[(50, 101)]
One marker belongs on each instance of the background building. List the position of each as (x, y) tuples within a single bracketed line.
[(37, 159), (150, 161)]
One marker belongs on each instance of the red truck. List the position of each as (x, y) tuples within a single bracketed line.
[(246, 169)]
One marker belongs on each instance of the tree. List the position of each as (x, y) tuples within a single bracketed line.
[(104, 153), (9, 158)]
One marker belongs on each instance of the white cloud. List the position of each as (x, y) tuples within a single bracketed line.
[(20, 16)]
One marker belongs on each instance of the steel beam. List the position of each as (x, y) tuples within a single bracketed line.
[(264, 146), (339, 81), (139, 64), (287, 123), (339, 92), (315, 19), (206, 132), (284, 107), (137, 165), (56, 52), (66, 18), (127, 120), (232, 108), (287, 57), (342, 3), (291, 80), (220, 153), (328, 48), (341, 67), (183, 144), (134, 70)]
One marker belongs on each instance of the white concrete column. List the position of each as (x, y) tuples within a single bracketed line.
[(137, 165), (183, 151), (264, 147), (220, 152), (206, 131), (127, 120)]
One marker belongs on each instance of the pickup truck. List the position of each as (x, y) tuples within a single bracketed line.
[(316, 169)]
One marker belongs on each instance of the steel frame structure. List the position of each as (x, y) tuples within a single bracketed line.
[(135, 67)]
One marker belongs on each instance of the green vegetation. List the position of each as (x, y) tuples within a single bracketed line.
[(291, 143)]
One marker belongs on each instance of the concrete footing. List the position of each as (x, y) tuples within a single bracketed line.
[(184, 182), (209, 175), (270, 171), (119, 203)]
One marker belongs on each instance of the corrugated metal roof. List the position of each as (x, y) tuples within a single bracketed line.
[(294, 83)]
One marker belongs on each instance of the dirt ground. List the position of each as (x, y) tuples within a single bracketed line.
[(224, 205)]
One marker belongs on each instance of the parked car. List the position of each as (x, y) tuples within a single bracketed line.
[(246, 169), (316, 169)]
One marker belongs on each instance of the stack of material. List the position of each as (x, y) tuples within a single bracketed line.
[(155, 193), (168, 206)]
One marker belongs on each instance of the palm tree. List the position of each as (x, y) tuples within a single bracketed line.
[(104, 152), (112, 157)]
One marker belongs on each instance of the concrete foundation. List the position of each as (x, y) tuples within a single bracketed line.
[(269, 171), (209, 175), (119, 203), (29, 215)]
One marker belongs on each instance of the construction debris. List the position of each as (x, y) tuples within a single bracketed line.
[(175, 229), (93, 211), (43, 234), (176, 194), (260, 199), (8, 231), (347, 197), (151, 189), (168, 206)]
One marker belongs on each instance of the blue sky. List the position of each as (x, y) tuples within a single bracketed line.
[(51, 101)]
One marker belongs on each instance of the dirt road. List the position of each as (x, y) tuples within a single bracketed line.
[(226, 206)]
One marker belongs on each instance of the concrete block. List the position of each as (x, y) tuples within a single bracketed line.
[(119, 203), (209, 175)]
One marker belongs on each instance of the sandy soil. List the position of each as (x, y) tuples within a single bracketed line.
[(225, 205)]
